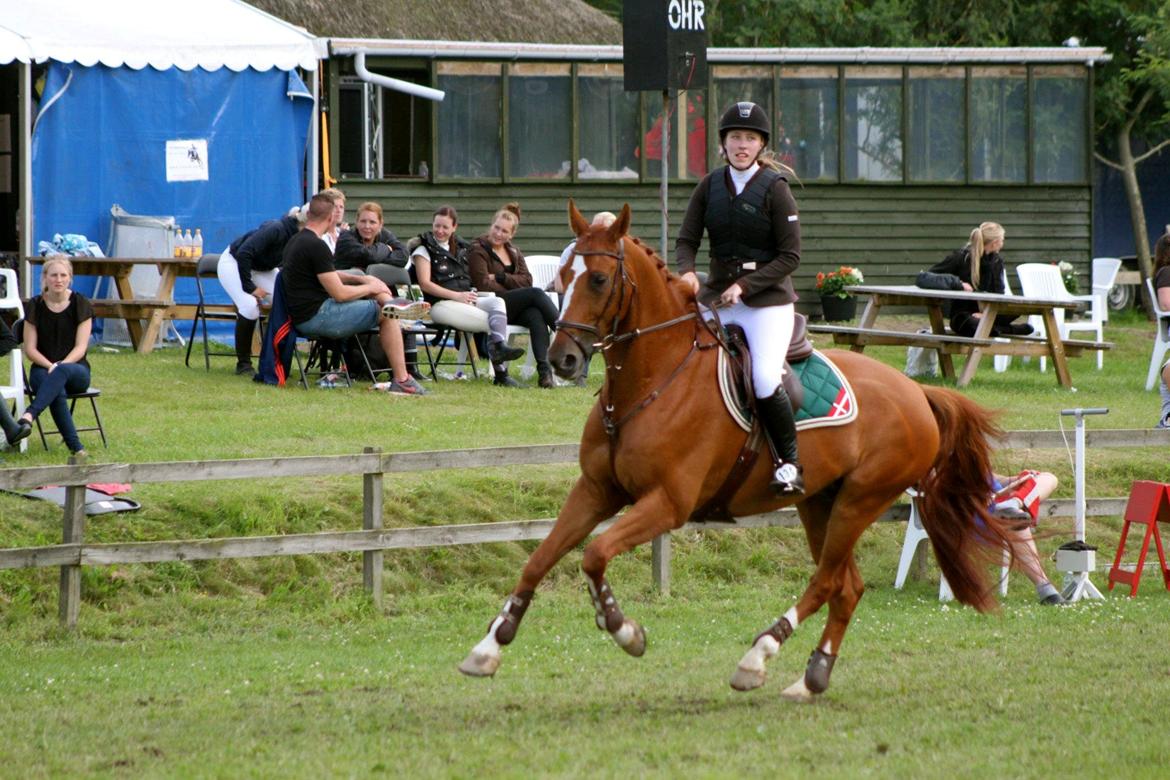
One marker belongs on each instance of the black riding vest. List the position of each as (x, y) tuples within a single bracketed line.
[(449, 271), (740, 227)]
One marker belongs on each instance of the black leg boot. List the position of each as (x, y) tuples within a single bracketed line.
[(545, 374), (245, 329), (776, 414)]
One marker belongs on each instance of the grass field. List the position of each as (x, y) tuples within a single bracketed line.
[(280, 667)]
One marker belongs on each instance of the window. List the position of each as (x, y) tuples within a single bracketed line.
[(873, 124), (540, 115), (688, 136), (806, 135), (1059, 102), (608, 122), (937, 116), (469, 120), (999, 130)]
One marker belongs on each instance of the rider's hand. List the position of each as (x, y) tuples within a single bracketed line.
[(692, 281), (732, 294)]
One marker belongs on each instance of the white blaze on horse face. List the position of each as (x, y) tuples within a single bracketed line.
[(578, 269)]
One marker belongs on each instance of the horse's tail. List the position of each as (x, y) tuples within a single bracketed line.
[(955, 496)]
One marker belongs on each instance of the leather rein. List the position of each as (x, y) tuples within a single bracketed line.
[(606, 343)]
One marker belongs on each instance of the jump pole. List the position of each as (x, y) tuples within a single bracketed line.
[(1076, 564)]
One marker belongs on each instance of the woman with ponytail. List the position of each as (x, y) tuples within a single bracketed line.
[(977, 267)]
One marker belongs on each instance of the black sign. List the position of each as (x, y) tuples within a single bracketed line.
[(664, 44)]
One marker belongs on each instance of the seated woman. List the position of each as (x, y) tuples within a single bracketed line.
[(1162, 290), (370, 248), (498, 266), (976, 267), (57, 327), (14, 430), (247, 270), (1018, 498), (440, 264)]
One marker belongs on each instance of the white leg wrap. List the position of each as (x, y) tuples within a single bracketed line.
[(827, 647), (755, 658), (488, 646), (790, 616)]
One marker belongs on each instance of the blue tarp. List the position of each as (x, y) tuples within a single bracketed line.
[(100, 138)]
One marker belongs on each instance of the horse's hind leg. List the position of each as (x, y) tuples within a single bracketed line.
[(653, 515), (842, 603), (588, 504)]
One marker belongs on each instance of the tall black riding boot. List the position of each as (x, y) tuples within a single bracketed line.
[(776, 414), (245, 329)]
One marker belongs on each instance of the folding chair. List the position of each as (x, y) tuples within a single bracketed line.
[(206, 269), (13, 391)]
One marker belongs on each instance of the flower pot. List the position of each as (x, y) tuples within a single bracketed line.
[(839, 309)]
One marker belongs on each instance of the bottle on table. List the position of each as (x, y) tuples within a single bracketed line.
[(179, 246), (197, 244)]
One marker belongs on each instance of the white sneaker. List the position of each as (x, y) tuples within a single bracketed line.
[(402, 309)]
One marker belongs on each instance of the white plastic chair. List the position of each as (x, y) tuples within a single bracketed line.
[(915, 535), (543, 268), (1105, 270), (1043, 280), (13, 391), (1162, 341)]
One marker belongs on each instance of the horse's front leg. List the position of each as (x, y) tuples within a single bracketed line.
[(587, 505), (652, 515)]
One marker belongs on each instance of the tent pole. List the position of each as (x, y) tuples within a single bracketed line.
[(315, 136), (24, 100)]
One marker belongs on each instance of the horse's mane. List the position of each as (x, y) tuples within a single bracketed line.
[(671, 279)]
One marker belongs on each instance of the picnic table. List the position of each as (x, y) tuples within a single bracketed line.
[(1051, 345), (144, 317)]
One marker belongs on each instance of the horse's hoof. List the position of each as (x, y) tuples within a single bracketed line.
[(479, 664), (631, 637), (798, 692), (748, 679)]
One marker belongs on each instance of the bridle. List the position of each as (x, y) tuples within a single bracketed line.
[(613, 338)]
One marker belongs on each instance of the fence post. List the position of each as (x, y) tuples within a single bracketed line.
[(660, 563), (73, 522), (371, 520)]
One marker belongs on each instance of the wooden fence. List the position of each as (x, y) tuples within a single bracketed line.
[(373, 539)]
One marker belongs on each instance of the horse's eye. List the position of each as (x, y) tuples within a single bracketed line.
[(597, 280)]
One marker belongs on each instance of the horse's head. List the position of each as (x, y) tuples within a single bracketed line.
[(597, 293)]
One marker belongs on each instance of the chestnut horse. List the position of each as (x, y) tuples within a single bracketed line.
[(660, 441)]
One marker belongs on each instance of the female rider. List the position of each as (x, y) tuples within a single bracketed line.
[(440, 263), (752, 223), (498, 266)]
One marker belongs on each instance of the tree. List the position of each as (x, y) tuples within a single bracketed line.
[(1133, 98)]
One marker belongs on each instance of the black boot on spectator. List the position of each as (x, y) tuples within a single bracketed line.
[(545, 374), (245, 329), (503, 380), (499, 352)]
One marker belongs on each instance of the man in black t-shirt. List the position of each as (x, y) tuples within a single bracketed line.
[(326, 303)]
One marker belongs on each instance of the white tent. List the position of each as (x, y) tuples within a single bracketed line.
[(161, 34)]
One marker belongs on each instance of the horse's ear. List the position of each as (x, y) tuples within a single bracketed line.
[(620, 227), (577, 222)]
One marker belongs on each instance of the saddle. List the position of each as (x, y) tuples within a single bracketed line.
[(800, 349)]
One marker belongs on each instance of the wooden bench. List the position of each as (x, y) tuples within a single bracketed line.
[(860, 338)]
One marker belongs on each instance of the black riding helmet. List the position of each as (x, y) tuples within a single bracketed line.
[(745, 115)]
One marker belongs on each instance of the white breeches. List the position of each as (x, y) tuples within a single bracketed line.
[(769, 331), (473, 319), (246, 303)]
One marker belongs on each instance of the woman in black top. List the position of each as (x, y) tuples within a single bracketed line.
[(976, 267), (56, 336), (370, 248), (753, 228)]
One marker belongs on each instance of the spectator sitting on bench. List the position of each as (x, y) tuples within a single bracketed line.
[(326, 303), (977, 267)]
